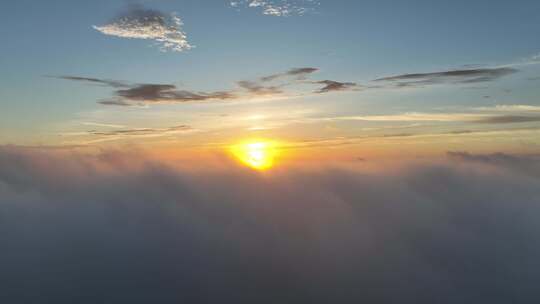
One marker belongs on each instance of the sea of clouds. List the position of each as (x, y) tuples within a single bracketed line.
[(124, 227)]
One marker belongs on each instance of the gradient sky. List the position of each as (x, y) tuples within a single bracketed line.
[(269, 151), (475, 79)]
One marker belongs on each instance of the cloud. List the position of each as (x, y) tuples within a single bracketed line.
[(486, 118), (121, 226), (104, 125), (278, 8), (469, 76), (145, 94), (119, 102), (257, 89), (123, 133), (528, 164), (299, 76), (332, 86), (110, 83), (413, 117), (298, 73), (510, 108), (163, 93), (141, 23), (508, 119), (143, 131)]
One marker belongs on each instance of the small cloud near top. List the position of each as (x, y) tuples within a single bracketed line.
[(141, 23), (278, 8)]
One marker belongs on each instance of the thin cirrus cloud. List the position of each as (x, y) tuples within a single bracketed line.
[(278, 8), (274, 85), (141, 23), (144, 131), (449, 117), (468, 76), (500, 114), (298, 73), (508, 119), (124, 133), (105, 82)]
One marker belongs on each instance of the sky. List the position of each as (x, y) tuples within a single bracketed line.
[(269, 151), (95, 73)]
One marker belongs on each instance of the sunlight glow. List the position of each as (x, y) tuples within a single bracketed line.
[(259, 155)]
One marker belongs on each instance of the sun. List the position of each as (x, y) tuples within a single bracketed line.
[(258, 155)]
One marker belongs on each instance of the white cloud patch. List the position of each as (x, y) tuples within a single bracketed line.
[(141, 23), (278, 8)]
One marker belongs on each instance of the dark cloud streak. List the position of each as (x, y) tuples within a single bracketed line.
[(105, 82), (333, 86), (147, 93), (298, 73), (142, 131), (469, 76)]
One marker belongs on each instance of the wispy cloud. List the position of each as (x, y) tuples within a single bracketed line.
[(105, 82), (141, 23), (166, 93), (298, 73), (500, 114), (443, 117), (508, 119), (271, 86), (105, 125), (122, 133), (332, 86), (510, 108), (145, 94), (143, 131), (469, 76), (278, 8)]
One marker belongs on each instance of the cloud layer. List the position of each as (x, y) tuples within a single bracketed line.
[(124, 227), (141, 23)]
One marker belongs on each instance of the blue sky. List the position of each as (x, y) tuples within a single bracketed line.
[(348, 41)]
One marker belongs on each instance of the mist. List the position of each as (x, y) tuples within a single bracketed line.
[(125, 227)]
